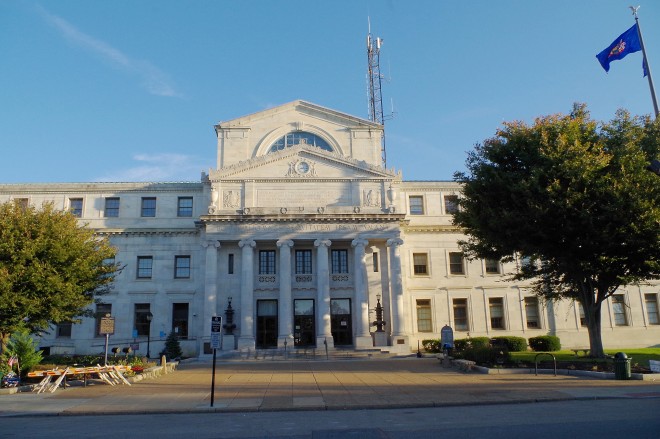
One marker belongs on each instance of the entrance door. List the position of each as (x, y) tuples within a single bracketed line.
[(340, 321), (304, 333), (266, 323)]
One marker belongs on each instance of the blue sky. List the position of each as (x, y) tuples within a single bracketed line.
[(128, 90)]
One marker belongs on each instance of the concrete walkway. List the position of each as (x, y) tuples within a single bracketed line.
[(318, 385)]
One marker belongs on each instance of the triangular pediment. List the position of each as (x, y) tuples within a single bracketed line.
[(302, 162)]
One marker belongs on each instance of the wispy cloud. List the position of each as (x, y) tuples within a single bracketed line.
[(158, 167), (152, 78)]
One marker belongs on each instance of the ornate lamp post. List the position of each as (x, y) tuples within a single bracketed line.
[(149, 318), (379, 323), (230, 325)]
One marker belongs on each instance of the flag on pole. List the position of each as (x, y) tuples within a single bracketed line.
[(12, 360), (627, 42)]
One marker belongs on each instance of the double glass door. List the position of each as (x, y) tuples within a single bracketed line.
[(304, 323), (340, 322), (266, 324)]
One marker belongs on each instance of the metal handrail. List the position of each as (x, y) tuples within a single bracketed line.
[(536, 363)]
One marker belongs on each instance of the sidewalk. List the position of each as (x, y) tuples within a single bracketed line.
[(318, 385)]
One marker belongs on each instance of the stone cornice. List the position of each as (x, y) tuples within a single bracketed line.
[(147, 232), (432, 229), (334, 218), (99, 188)]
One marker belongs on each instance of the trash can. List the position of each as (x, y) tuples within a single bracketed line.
[(621, 366)]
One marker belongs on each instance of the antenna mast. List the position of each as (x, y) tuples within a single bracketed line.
[(374, 79)]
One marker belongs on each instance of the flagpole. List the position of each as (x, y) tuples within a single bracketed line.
[(646, 63)]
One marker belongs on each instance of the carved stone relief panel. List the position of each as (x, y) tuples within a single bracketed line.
[(371, 198)]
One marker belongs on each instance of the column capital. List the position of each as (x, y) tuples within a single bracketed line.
[(322, 243), (211, 242), (285, 243), (359, 242), (247, 243), (394, 242)]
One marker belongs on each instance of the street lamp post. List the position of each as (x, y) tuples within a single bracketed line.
[(149, 318)]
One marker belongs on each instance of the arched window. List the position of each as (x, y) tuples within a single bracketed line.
[(298, 138)]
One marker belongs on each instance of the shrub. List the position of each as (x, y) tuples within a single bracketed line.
[(545, 343), (21, 345), (431, 345), (513, 344), (172, 347), (474, 342), (486, 356)]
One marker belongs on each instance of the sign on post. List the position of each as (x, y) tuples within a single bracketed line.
[(216, 328), (107, 326), (447, 337)]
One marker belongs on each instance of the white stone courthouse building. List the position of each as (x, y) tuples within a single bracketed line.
[(305, 233)]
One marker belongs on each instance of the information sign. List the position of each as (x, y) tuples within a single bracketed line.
[(216, 328), (107, 326), (447, 337)]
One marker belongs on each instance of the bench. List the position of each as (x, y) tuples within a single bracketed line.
[(464, 365), (585, 351)]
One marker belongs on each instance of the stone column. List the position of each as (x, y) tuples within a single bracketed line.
[(246, 337), (286, 299), (362, 335), (323, 333), (210, 306), (399, 339)]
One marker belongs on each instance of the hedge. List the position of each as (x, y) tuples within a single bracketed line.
[(545, 343), (513, 344)]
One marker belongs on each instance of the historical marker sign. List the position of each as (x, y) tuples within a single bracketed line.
[(447, 337), (107, 326)]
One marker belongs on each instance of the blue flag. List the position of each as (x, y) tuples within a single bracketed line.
[(627, 42)]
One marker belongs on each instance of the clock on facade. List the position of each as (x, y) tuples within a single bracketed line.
[(302, 167)]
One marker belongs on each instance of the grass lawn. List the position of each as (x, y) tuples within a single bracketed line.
[(639, 356)]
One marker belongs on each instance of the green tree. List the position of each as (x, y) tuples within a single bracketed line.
[(572, 195), (172, 347), (51, 268), (22, 346)]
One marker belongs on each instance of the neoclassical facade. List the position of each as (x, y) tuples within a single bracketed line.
[(303, 233)]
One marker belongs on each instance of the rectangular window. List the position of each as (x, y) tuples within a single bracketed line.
[(492, 266), (23, 203), (64, 330), (144, 267), (111, 207), (416, 205), (339, 260), (619, 308), (651, 301), (420, 264), (148, 207), (424, 323), (184, 207), (460, 315), (303, 262), (532, 312), (583, 318), (76, 206), (102, 309), (142, 319), (374, 257), (456, 263), (182, 267), (496, 307), (451, 204), (180, 319), (230, 263), (267, 262)]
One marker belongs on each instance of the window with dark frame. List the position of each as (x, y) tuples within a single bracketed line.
[(64, 330), (184, 207), (619, 308), (460, 314), (532, 312), (111, 207), (496, 307), (416, 204), (303, 262), (583, 318), (451, 204), (424, 320), (144, 267), (180, 319), (267, 262), (23, 203), (339, 260), (492, 266), (420, 264), (76, 206), (141, 318), (651, 302), (375, 261), (102, 309), (230, 263), (148, 207), (182, 267), (456, 263)]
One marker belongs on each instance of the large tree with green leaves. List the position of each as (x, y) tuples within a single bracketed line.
[(51, 268), (573, 195)]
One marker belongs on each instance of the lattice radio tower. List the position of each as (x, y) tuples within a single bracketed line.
[(374, 82)]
